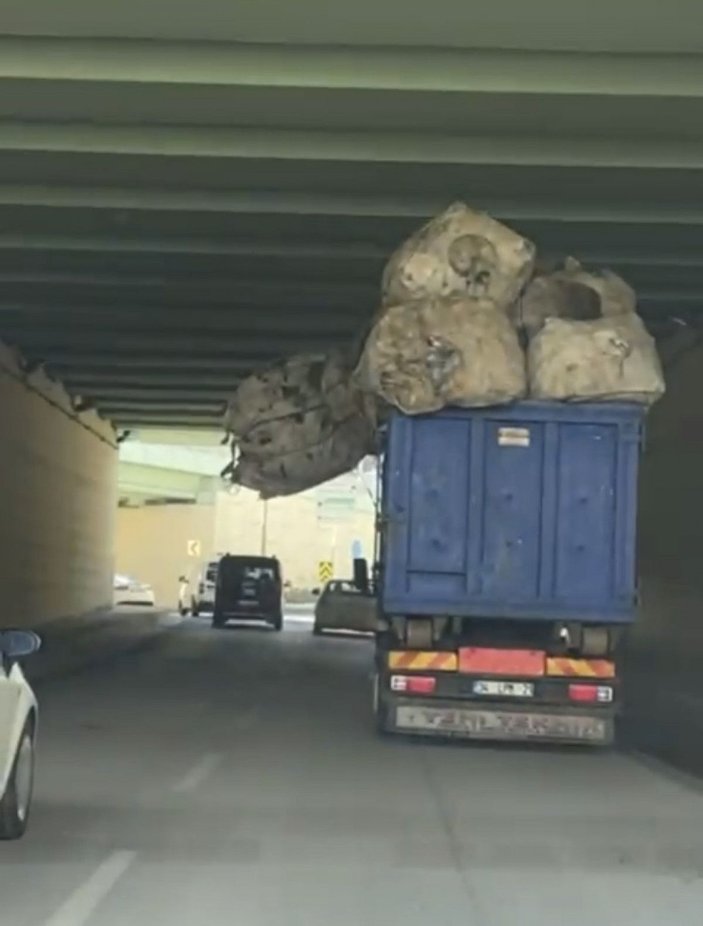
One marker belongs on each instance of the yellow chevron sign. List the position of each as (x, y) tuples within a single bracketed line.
[(325, 569)]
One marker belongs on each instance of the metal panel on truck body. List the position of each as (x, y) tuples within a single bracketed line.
[(525, 511)]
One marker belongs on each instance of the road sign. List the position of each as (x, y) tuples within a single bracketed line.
[(325, 570), (193, 548)]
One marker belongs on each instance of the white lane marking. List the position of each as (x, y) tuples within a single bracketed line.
[(77, 909), (200, 771)]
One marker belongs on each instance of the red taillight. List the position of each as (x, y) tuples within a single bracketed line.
[(583, 693), (413, 684), (603, 694)]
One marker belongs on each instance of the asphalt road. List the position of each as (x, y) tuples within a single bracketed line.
[(233, 777)]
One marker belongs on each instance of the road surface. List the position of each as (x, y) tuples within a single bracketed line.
[(232, 778)]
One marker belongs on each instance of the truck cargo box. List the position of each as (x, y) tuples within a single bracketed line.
[(526, 511)]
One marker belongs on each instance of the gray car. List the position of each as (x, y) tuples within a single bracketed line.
[(341, 606)]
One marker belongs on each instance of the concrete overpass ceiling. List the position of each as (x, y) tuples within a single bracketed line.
[(188, 191)]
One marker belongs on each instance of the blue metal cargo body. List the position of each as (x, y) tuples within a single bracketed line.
[(525, 511)]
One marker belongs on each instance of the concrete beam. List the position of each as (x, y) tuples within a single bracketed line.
[(106, 244), (174, 394), (86, 376), (315, 67), (112, 407), (369, 147), (314, 251), (168, 424), (173, 345), (236, 288), (377, 207), (602, 25), (76, 360), (170, 321)]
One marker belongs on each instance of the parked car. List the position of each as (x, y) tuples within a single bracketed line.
[(196, 592), (249, 588), (18, 729), (341, 606), (126, 590)]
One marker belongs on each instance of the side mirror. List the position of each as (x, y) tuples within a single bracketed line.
[(361, 575), (16, 644), (316, 592)]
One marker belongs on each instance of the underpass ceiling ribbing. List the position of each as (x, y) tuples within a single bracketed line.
[(173, 214)]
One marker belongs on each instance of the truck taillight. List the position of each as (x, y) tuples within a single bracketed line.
[(602, 694), (413, 684)]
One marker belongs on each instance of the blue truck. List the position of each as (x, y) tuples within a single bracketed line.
[(506, 574)]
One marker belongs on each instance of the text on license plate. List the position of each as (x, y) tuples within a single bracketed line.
[(504, 689), (499, 724)]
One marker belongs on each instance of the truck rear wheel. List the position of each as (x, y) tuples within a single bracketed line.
[(595, 642), (418, 633), (380, 708)]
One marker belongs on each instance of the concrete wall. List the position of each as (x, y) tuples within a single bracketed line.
[(152, 541), (665, 657), (58, 483)]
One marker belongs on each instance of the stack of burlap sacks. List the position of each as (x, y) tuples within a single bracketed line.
[(460, 299), (465, 320)]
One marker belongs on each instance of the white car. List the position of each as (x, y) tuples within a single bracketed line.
[(196, 593), (18, 728), (341, 606), (126, 590)]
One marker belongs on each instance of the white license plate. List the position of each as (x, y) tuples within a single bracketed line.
[(500, 725), (504, 689)]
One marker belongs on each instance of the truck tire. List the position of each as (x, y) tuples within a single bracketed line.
[(380, 708), (218, 621), (17, 799), (596, 642)]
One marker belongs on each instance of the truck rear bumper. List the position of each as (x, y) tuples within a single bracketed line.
[(496, 721)]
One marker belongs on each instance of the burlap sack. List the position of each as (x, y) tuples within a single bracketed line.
[(310, 390), (610, 359), (459, 253), (573, 293), (298, 424), (429, 354), (338, 451)]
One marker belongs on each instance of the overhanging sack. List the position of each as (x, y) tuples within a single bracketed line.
[(606, 360), (425, 355), (459, 253), (573, 293), (309, 391), (337, 452), (298, 424)]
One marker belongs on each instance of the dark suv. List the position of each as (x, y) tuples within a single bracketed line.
[(248, 588)]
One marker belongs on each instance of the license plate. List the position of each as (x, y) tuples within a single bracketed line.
[(504, 689), (500, 725)]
